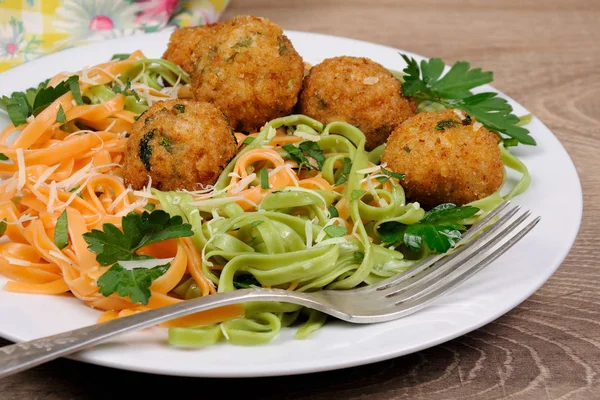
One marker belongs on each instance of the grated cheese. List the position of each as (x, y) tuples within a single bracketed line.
[(146, 264), (307, 136), (477, 126), (243, 183), (370, 170), (17, 261), (45, 175), (371, 80), (459, 114), (52, 196), (60, 256), (326, 242), (21, 169), (118, 199)]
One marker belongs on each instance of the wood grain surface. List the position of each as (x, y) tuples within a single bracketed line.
[(546, 55)]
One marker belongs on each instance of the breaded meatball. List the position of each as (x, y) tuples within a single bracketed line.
[(251, 72), (185, 41), (180, 144), (446, 159), (358, 91)]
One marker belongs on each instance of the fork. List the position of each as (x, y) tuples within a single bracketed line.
[(390, 299)]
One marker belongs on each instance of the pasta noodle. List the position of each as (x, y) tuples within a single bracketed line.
[(245, 234)]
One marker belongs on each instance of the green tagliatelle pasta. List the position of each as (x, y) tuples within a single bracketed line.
[(287, 238)]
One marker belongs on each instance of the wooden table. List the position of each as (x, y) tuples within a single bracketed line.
[(546, 55)]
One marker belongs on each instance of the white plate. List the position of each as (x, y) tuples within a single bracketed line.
[(485, 297)]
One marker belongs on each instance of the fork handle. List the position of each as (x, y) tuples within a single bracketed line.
[(18, 357)]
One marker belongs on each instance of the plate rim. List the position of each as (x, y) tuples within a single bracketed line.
[(94, 359)]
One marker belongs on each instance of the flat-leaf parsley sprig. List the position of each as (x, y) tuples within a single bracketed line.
[(424, 82), (112, 245), (440, 229)]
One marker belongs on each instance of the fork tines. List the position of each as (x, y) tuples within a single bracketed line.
[(482, 244)]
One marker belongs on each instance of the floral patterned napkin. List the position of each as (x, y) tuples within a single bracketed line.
[(32, 28)]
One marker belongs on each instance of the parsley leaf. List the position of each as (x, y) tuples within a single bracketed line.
[(111, 245), (392, 174), (345, 171), (446, 123), (449, 212), (128, 91), (453, 90), (3, 226), (48, 95), (307, 148), (61, 231), (264, 179), (120, 56), (333, 212), (134, 283), (313, 150), (60, 115), (19, 105), (335, 231), (245, 281), (439, 229), (297, 155)]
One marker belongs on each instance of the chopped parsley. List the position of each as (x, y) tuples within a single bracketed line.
[(445, 124), (264, 179), (245, 281), (180, 108), (127, 91), (60, 115), (61, 231), (335, 231), (3, 157), (333, 212), (145, 149), (245, 42), (347, 167), (3, 226), (282, 46), (120, 56), (295, 154), (248, 140), (313, 150), (166, 143), (392, 174)]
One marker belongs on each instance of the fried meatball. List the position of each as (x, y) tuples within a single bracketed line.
[(251, 72), (180, 144), (447, 157), (358, 91), (185, 41)]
